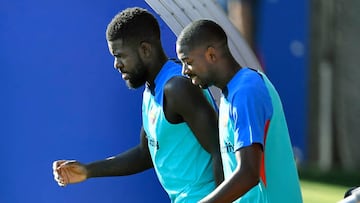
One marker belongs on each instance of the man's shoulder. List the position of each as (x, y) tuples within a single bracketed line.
[(177, 85)]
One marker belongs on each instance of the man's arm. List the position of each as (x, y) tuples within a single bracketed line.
[(245, 176), (188, 102), (133, 161)]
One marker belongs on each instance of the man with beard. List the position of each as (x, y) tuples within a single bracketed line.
[(259, 165), (179, 137)]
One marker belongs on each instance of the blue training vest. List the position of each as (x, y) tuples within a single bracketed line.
[(183, 167)]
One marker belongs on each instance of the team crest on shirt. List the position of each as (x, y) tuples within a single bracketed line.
[(224, 120), (152, 115)]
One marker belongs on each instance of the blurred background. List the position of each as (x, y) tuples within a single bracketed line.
[(61, 98)]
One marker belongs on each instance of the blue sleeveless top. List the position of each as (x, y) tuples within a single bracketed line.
[(183, 167)]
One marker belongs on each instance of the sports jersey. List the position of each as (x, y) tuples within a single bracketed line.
[(251, 112), (183, 167)]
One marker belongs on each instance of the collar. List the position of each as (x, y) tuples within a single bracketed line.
[(233, 82), (160, 76)]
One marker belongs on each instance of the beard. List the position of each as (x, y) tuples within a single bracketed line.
[(138, 77), (136, 81)]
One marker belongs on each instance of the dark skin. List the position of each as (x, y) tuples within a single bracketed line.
[(245, 176), (214, 64), (198, 114), (183, 102)]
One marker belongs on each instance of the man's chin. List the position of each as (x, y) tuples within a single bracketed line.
[(196, 82), (203, 86), (206, 86), (133, 86)]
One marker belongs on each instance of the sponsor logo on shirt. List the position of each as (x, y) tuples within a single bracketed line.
[(224, 121), (152, 115)]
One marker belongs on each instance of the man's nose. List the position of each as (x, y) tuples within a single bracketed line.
[(118, 65)]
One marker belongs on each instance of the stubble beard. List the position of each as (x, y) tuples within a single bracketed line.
[(138, 78)]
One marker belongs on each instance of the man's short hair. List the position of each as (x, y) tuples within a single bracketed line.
[(202, 32), (134, 25)]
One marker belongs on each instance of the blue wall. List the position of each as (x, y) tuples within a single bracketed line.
[(61, 98), (282, 38)]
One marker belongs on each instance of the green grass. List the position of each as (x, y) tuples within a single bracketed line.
[(329, 187), (315, 192)]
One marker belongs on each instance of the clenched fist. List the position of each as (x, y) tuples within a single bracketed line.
[(69, 171)]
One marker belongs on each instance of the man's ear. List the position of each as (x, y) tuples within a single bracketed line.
[(210, 54), (145, 49)]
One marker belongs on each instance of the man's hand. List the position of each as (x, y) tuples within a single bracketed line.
[(69, 171)]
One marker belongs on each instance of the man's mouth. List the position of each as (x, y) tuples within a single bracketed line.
[(125, 76)]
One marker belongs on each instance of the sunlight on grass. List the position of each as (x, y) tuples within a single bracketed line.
[(315, 192)]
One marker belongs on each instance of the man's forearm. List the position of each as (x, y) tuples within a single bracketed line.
[(127, 163), (218, 169)]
